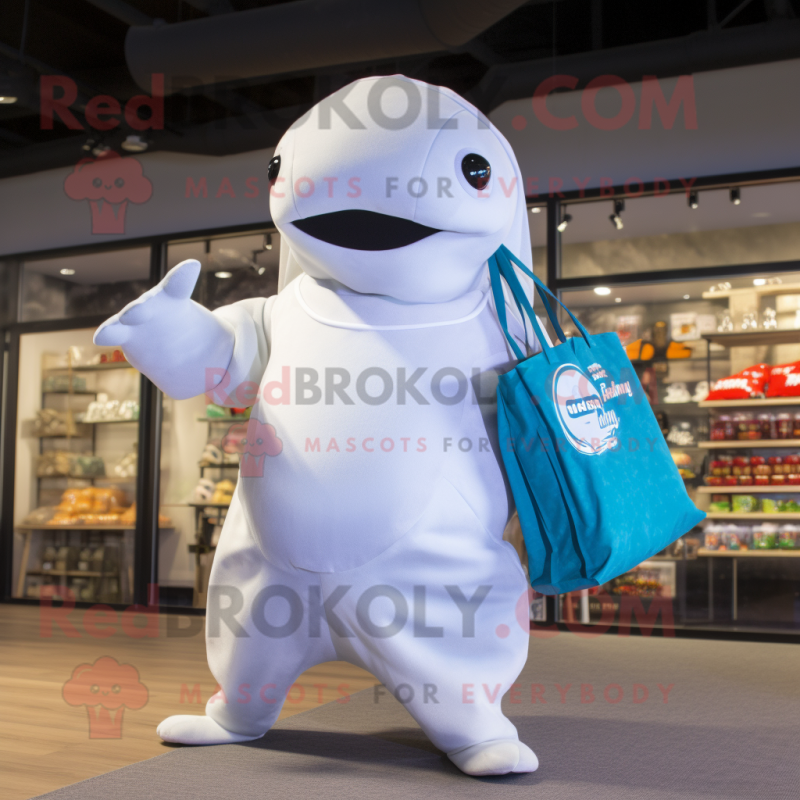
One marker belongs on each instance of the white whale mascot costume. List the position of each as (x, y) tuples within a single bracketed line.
[(372, 530)]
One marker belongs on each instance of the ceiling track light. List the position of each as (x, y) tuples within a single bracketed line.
[(135, 144), (616, 217), (565, 220), (268, 241), (736, 196), (693, 200)]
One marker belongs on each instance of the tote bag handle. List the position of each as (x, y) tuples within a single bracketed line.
[(500, 264)]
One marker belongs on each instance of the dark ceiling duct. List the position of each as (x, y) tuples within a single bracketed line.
[(303, 35)]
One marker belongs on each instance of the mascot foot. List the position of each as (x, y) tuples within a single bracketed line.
[(186, 729), (497, 757)]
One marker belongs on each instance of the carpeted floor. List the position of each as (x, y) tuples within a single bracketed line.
[(729, 727)]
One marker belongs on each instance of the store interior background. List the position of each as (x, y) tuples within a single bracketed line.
[(59, 279)]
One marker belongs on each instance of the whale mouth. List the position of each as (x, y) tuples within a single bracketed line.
[(364, 230)]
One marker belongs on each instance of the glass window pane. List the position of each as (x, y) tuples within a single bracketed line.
[(75, 477), (197, 475), (233, 268), (8, 282), (663, 233), (83, 285)]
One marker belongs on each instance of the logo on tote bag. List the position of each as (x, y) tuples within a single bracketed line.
[(588, 426)]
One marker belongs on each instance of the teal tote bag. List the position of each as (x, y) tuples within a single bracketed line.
[(596, 489)]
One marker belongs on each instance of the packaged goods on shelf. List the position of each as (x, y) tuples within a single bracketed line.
[(762, 536), (784, 380), (53, 463), (62, 463), (743, 385), (105, 410), (90, 506), (747, 503), (62, 383), (51, 422), (126, 466), (754, 471), (87, 466)]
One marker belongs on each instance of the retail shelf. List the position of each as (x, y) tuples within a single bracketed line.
[(788, 515), (47, 527), (95, 367), (776, 553), (72, 573), (762, 444), (65, 391), (758, 403), (640, 362), (107, 528), (209, 505), (223, 419), (754, 338), (106, 421), (749, 489), (767, 290), (77, 435)]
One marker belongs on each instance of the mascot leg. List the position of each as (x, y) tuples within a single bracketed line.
[(255, 650), (435, 620)]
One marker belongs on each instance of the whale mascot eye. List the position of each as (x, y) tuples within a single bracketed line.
[(477, 170), (273, 169)]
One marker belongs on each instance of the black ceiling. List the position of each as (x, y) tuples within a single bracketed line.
[(586, 38)]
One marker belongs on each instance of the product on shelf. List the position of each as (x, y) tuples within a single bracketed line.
[(744, 503), (678, 350), (204, 490), (90, 506), (765, 536), (700, 391), (784, 380), (39, 516), (754, 471), (87, 466), (53, 463), (681, 435), (126, 466), (640, 351), (744, 385), (128, 517), (223, 493), (105, 410), (720, 504), (61, 384), (214, 456), (677, 393), (50, 422), (115, 357), (683, 461), (789, 537)]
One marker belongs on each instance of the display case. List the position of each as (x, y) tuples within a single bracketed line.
[(739, 457), (76, 474)]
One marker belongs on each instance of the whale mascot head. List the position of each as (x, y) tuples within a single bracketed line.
[(394, 187)]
